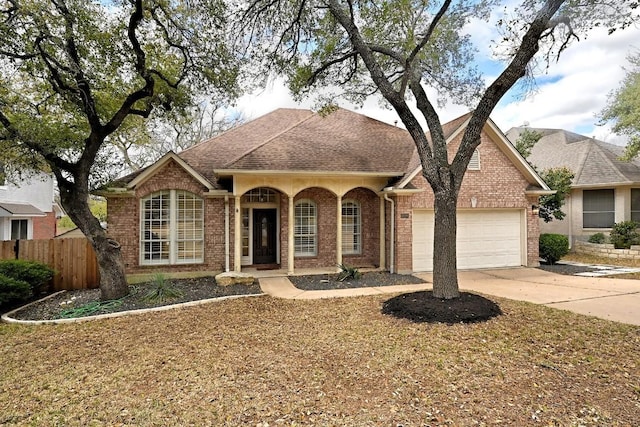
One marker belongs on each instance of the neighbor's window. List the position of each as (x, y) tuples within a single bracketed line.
[(19, 229), (306, 229), (172, 230), (598, 208), (351, 228), (635, 204), (474, 163)]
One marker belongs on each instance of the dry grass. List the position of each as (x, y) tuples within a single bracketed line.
[(267, 362), (591, 259)]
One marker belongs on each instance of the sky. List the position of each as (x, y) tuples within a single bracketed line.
[(569, 95)]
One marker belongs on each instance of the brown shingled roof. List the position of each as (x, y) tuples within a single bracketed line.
[(300, 140)]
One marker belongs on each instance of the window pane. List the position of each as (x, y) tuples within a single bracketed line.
[(305, 230), (351, 243), (160, 238), (155, 227), (635, 204), (19, 229), (598, 208), (189, 227)]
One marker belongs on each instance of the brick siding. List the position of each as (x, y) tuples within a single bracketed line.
[(498, 184), (44, 227)]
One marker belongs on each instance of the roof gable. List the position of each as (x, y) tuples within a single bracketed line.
[(453, 129), (148, 172)]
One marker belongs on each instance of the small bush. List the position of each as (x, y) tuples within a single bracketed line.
[(161, 289), (624, 234), (597, 238), (553, 247), (347, 272), (13, 290), (36, 274)]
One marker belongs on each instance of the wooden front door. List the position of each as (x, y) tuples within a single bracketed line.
[(264, 236)]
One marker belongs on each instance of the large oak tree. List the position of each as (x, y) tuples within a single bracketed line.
[(407, 49), (76, 74), (623, 108)]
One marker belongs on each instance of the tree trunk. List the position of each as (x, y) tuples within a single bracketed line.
[(445, 269), (113, 282)]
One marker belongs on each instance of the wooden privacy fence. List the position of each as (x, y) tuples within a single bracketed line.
[(73, 260)]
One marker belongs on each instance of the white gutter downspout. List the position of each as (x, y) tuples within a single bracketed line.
[(226, 234), (393, 234)]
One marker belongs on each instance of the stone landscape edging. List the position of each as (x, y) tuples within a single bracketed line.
[(8, 319)]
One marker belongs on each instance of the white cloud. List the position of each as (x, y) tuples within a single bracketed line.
[(579, 84)]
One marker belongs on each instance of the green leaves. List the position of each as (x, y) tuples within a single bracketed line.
[(77, 69), (623, 108), (558, 179)]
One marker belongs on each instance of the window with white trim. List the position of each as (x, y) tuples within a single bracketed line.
[(172, 229), (474, 163), (598, 208), (19, 229), (305, 234), (351, 228)]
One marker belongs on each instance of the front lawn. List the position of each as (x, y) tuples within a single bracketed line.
[(261, 361)]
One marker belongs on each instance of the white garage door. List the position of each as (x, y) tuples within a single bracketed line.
[(485, 239)]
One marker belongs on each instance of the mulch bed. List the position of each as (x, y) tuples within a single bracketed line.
[(370, 279), (82, 303), (567, 269), (422, 307)]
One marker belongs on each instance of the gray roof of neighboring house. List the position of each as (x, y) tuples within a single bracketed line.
[(19, 209), (594, 162)]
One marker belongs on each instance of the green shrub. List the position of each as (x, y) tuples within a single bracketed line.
[(36, 274), (13, 290), (624, 234), (597, 238), (161, 289), (553, 247), (347, 272)]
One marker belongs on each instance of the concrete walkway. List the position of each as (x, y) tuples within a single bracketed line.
[(610, 299)]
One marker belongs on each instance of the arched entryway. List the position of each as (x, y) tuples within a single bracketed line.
[(260, 222)]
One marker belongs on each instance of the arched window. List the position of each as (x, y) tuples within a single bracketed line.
[(305, 235), (172, 229), (351, 228)]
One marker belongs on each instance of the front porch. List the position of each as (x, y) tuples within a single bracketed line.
[(307, 228)]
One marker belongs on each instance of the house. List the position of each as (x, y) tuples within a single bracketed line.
[(605, 190), (27, 208), (295, 189)]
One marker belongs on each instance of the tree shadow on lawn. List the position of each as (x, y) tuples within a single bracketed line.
[(422, 307)]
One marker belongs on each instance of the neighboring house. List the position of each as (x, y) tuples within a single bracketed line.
[(27, 208), (294, 189), (74, 233), (605, 189)]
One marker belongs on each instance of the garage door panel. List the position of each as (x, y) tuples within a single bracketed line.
[(485, 239)]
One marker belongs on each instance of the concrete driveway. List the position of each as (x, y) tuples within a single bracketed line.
[(610, 299)]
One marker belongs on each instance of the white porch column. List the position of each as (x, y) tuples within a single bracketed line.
[(237, 235), (383, 228), (290, 237), (339, 230)]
